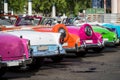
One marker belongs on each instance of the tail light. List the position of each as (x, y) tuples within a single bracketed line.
[(30, 49), (63, 35), (61, 40), (28, 44), (0, 58), (63, 32), (24, 56)]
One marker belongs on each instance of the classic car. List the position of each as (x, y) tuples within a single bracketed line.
[(8, 20), (114, 27), (89, 38), (42, 44), (28, 20), (13, 52), (109, 37)]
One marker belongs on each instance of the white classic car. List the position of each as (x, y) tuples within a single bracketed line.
[(42, 44)]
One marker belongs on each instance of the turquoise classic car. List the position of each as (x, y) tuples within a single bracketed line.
[(109, 37)]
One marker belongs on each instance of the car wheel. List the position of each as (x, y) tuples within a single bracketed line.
[(81, 54), (2, 72), (57, 59), (98, 50), (36, 63)]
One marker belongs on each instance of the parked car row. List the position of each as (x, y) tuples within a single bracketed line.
[(26, 41), (109, 32)]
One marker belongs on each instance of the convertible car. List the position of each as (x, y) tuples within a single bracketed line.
[(8, 20), (42, 44), (109, 37), (89, 38), (13, 52)]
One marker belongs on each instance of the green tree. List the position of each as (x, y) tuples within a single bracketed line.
[(17, 5), (75, 6), (41, 6), (45, 6), (1, 6)]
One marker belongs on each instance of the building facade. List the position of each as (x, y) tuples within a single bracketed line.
[(115, 6), (112, 6), (102, 4)]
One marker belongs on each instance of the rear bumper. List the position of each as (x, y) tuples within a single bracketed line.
[(85, 46), (48, 53), (92, 45), (89, 46), (15, 62), (75, 49), (112, 43)]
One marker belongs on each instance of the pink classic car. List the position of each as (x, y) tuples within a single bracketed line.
[(13, 52), (88, 38)]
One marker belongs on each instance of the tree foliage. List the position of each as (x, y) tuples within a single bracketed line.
[(45, 6), (17, 5)]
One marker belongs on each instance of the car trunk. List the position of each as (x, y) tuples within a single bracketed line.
[(11, 47)]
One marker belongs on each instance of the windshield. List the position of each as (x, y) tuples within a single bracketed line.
[(49, 21), (28, 21), (7, 20)]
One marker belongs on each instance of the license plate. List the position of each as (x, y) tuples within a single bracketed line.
[(42, 48), (13, 63), (52, 48), (88, 41)]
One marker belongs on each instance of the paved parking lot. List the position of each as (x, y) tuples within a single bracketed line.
[(103, 66)]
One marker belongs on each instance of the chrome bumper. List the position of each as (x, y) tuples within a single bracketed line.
[(112, 43), (91, 45), (48, 53), (75, 49), (15, 62)]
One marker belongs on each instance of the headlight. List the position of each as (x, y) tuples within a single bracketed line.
[(88, 31)]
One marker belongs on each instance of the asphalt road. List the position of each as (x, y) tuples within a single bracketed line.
[(102, 66)]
